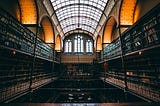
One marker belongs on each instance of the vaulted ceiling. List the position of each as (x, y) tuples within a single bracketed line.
[(79, 14), (83, 16), (88, 16)]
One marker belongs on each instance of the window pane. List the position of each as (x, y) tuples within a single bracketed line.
[(75, 45), (78, 44), (68, 46), (89, 46)]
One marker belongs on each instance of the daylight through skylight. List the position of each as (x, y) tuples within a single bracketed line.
[(84, 14)]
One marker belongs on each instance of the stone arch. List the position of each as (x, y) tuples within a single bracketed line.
[(47, 30), (136, 12), (99, 44), (109, 30), (127, 10), (58, 43), (18, 12), (41, 34), (12, 7), (28, 11), (142, 8)]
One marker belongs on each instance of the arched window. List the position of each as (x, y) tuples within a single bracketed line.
[(78, 44), (89, 46), (68, 46)]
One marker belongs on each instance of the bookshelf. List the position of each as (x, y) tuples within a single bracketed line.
[(112, 50), (17, 63), (14, 73), (15, 36), (143, 34), (141, 49), (143, 73), (43, 50)]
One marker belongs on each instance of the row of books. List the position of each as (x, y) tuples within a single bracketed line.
[(15, 35), (17, 73), (143, 34), (112, 50), (140, 69)]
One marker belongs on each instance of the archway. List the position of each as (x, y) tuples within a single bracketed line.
[(127, 12), (47, 31), (58, 44), (99, 44), (18, 12), (28, 11), (109, 30)]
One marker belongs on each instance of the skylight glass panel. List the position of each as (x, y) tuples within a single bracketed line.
[(83, 14)]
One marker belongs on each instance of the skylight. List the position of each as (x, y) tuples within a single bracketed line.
[(83, 14)]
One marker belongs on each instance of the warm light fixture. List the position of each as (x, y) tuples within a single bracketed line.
[(14, 52), (140, 53)]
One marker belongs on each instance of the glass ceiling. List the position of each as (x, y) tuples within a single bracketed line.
[(81, 14)]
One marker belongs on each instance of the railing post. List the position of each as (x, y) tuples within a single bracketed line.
[(122, 59), (34, 51)]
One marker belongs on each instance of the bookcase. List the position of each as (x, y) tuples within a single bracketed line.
[(22, 68), (143, 73), (15, 36), (14, 73), (42, 73), (44, 51), (144, 34), (140, 71), (112, 50)]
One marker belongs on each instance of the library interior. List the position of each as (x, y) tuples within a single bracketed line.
[(80, 52)]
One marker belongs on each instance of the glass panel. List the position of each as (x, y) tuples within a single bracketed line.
[(72, 14), (68, 46), (78, 44), (89, 47)]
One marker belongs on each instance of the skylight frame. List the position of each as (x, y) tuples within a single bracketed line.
[(79, 14)]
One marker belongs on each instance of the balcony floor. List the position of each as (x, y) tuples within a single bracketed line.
[(85, 89)]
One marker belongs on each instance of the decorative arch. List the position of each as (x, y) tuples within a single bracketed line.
[(18, 11), (99, 44), (28, 11), (79, 31), (137, 12), (58, 43), (108, 30), (47, 30), (127, 12), (41, 34)]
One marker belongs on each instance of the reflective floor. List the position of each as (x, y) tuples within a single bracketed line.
[(84, 89), (82, 104)]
